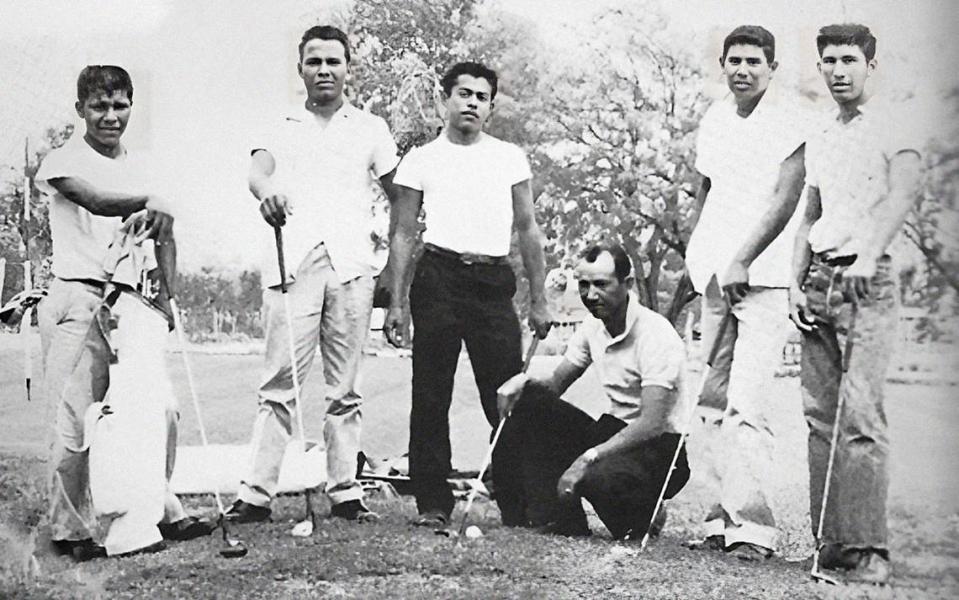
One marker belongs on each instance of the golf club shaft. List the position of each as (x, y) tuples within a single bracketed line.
[(489, 453), (294, 367), (181, 341), (693, 402)]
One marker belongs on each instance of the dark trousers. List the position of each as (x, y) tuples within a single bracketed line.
[(452, 303), (548, 434)]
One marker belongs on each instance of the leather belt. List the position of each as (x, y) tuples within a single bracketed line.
[(466, 258), (836, 261)]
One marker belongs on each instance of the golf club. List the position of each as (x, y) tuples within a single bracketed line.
[(475, 485), (816, 573), (693, 403), (232, 547), (305, 527)]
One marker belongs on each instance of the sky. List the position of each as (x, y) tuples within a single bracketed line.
[(207, 73)]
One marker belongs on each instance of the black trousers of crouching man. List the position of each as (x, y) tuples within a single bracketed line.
[(548, 434), (451, 303)]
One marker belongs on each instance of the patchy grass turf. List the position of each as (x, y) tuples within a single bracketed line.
[(393, 559)]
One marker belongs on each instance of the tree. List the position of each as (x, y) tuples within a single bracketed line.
[(617, 147)]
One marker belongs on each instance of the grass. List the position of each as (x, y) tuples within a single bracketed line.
[(393, 559)]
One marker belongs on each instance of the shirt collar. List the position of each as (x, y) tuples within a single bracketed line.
[(632, 315), (304, 115)]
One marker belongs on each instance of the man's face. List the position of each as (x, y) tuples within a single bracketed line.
[(747, 71), (602, 293), (845, 71), (323, 69), (106, 116), (469, 104)]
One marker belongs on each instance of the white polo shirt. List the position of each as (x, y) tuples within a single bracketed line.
[(849, 163), (648, 352), (329, 176), (81, 238), (742, 157), (467, 191)]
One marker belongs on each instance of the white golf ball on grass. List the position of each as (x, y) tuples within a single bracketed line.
[(474, 532)]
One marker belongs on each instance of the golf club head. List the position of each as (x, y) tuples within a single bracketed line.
[(303, 528), (443, 531), (233, 549), (821, 577)]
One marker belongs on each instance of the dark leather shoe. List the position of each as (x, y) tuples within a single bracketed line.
[(435, 519), (833, 556), (353, 510), (749, 552), (79, 550), (187, 528), (151, 549), (244, 512)]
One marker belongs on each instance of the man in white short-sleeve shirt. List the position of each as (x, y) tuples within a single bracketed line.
[(475, 191), (559, 454), (862, 175), (750, 153), (313, 174), (94, 184)]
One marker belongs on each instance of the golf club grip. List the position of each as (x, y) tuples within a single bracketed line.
[(278, 235)]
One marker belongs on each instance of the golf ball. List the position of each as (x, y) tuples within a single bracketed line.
[(474, 532)]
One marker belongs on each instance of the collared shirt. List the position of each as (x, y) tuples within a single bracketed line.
[(742, 158), (467, 191), (849, 163), (328, 175), (81, 238), (648, 352)]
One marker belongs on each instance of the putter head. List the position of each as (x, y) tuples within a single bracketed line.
[(821, 577), (443, 531), (232, 548)]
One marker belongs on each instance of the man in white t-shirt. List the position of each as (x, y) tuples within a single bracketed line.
[(313, 174), (475, 191), (750, 153), (559, 454), (863, 171), (93, 184)]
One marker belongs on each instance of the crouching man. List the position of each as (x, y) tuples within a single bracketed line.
[(619, 462)]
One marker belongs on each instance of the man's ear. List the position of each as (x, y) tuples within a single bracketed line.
[(722, 62), (773, 65), (299, 68), (79, 107), (871, 65), (630, 282), (819, 66)]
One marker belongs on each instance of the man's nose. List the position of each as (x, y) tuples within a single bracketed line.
[(110, 114)]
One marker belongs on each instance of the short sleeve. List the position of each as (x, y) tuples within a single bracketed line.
[(408, 172), (385, 152), (661, 354), (57, 163), (520, 170), (577, 349)]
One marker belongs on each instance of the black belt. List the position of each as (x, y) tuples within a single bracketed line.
[(836, 261), (465, 258), (101, 285)]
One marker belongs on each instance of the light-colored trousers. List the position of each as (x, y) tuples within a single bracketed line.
[(76, 375), (337, 316), (738, 437)]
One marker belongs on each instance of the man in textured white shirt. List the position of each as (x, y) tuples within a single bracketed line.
[(313, 175), (93, 184), (558, 454), (475, 191), (750, 154), (862, 172)]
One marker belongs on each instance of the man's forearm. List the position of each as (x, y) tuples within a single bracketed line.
[(802, 255), (398, 265), (892, 211), (785, 198), (102, 203), (534, 261)]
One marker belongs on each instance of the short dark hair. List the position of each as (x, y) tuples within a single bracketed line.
[(847, 34), (474, 69), (623, 267), (751, 35), (103, 78), (325, 32)]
